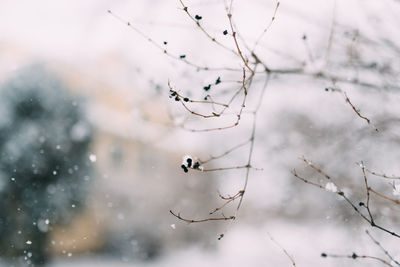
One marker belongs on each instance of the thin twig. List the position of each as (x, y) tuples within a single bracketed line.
[(384, 196), (232, 168), (369, 219), (238, 115), (202, 220), (212, 38), (367, 188), (252, 139), (382, 248), (239, 51), (355, 256), (225, 153), (331, 33), (283, 249), (309, 163), (228, 199), (165, 51), (266, 29), (394, 177), (358, 112)]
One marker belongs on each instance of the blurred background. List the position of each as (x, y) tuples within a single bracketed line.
[(91, 143)]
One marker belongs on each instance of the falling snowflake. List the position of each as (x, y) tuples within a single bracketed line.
[(92, 157)]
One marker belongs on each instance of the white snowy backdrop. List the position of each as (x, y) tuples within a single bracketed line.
[(123, 78)]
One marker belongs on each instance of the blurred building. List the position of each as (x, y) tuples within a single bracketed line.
[(136, 181)]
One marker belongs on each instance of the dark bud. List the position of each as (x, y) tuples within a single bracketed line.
[(165, 42), (354, 255), (323, 255), (304, 37), (361, 204), (186, 100), (196, 165), (184, 168), (220, 236), (341, 193), (198, 17), (182, 56), (206, 88), (225, 32), (173, 93), (218, 80), (327, 89), (189, 162), (177, 98)]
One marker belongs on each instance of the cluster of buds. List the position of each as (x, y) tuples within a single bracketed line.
[(189, 163), (176, 96)]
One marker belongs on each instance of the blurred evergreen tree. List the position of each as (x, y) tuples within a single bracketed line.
[(44, 162)]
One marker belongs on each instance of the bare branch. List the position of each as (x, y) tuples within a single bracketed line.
[(165, 51), (355, 256), (367, 188), (232, 168), (228, 200), (369, 219), (225, 153), (382, 248), (283, 249), (246, 63), (394, 177), (202, 220), (384, 196), (212, 38), (267, 28), (358, 112)]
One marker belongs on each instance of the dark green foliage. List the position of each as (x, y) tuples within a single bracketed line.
[(44, 164)]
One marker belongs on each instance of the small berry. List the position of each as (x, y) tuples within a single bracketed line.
[(198, 17), (184, 168), (165, 42), (304, 37), (218, 80), (323, 255), (206, 88), (225, 32), (361, 204), (354, 255), (177, 98), (327, 89), (196, 165), (186, 99), (189, 162), (182, 56)]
